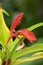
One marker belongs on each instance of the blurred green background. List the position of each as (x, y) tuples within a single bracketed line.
[(33, 14)]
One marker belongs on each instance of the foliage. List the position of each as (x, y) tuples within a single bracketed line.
[(9, 55)]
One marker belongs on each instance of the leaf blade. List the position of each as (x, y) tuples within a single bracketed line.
[(33, 48)]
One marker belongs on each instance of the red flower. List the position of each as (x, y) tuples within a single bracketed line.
[(16, 22), (26, 33)]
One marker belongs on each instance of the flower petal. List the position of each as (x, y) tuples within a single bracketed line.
[(28, 34), (16, 22)]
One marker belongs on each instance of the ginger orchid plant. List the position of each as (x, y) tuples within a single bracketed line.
[(11, 52), (26, 33)]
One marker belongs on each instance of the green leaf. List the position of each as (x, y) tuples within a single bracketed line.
[(2, 55), (0, 61), (32, 58), (4, 31), (4, 11), (6, 49), (37, 54), (28, 50), (35, 26)]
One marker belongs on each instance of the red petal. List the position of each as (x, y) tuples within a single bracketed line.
[(16, 22), (28, 34)]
